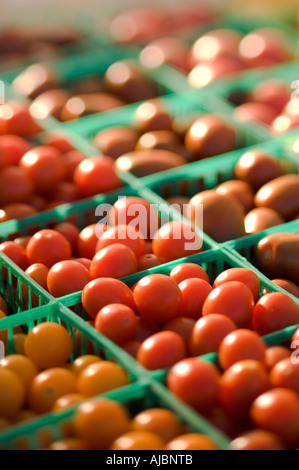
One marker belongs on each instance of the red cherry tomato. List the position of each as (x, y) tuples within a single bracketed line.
[(70, 232), (15, 186), (148, 261), (67, 277), (232, 299), (241, 345), (131, 347), (104, 291), (182, 326), (39, 273), (285, 374), (195, 382), (176, 240), (136, 212), (43, 165), (157, 298), (277, 411), (274, 312), (246, 276), (194, 293), (58, 141), (16, 120), (95, 176), (209, 332), (117, 322), (88, 239), (113, 261), (12, 148), (161, 350), (185, 271), (276, 354), (85, 261), (124, 234), (16, 211), (15, 253), (48, 247), (71, 160), (241, 384), (257, 440), (145, 328)]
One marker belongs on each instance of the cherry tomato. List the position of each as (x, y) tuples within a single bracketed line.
[(162, 350), (131, 347), (138, 440), (67, 401), (277, 411), (185, 271), (49, 345), (16, 211), (71, 159), (67, 277), (182, 326), (192, 442), (104, 291), (100, 422), (22, 366), (247, 277), (58, 141), (162, 422), (148, 261), (241, 345), (82, 362), (176, 240), (157, 298), (39, 273), (136, 212), (194, 293), (16, 120), (145, 328), (15, 186), (88, 239), (12, 148), (43, 165), (84, 261), (70, 443), (115, 261), (274, 312), (209, 332), (101, 377), (241, 384), (276, 354), (117, 322), (95, 176), (257, 440), (70, 232), (195, 382), (124, 234), (48, 247), (285, 374), (232, 299), (16, 253)]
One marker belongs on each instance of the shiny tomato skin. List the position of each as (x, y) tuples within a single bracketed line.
[(124, 234), (162, 350), (12, 148), (48, 247), (104, 291), (246, 276), (172, 240), (285, 374), (67, 277), (188, 270), (15, 186), (115, 261), (117, 322), (194, 293), (209, 332), (95, 176), (241, 345), (157, 298), (232, 299), (195, 382), (274, 312), (257, 440), (241, 384)]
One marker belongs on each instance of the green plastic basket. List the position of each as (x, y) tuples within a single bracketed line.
[(143, 393)]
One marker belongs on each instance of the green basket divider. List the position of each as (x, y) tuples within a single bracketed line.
[(19, 290)]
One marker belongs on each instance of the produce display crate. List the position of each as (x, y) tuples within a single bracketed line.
[(93, 56), (144, 392)]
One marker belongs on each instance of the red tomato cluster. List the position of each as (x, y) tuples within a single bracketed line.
[(253, 396), (35, 178)]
